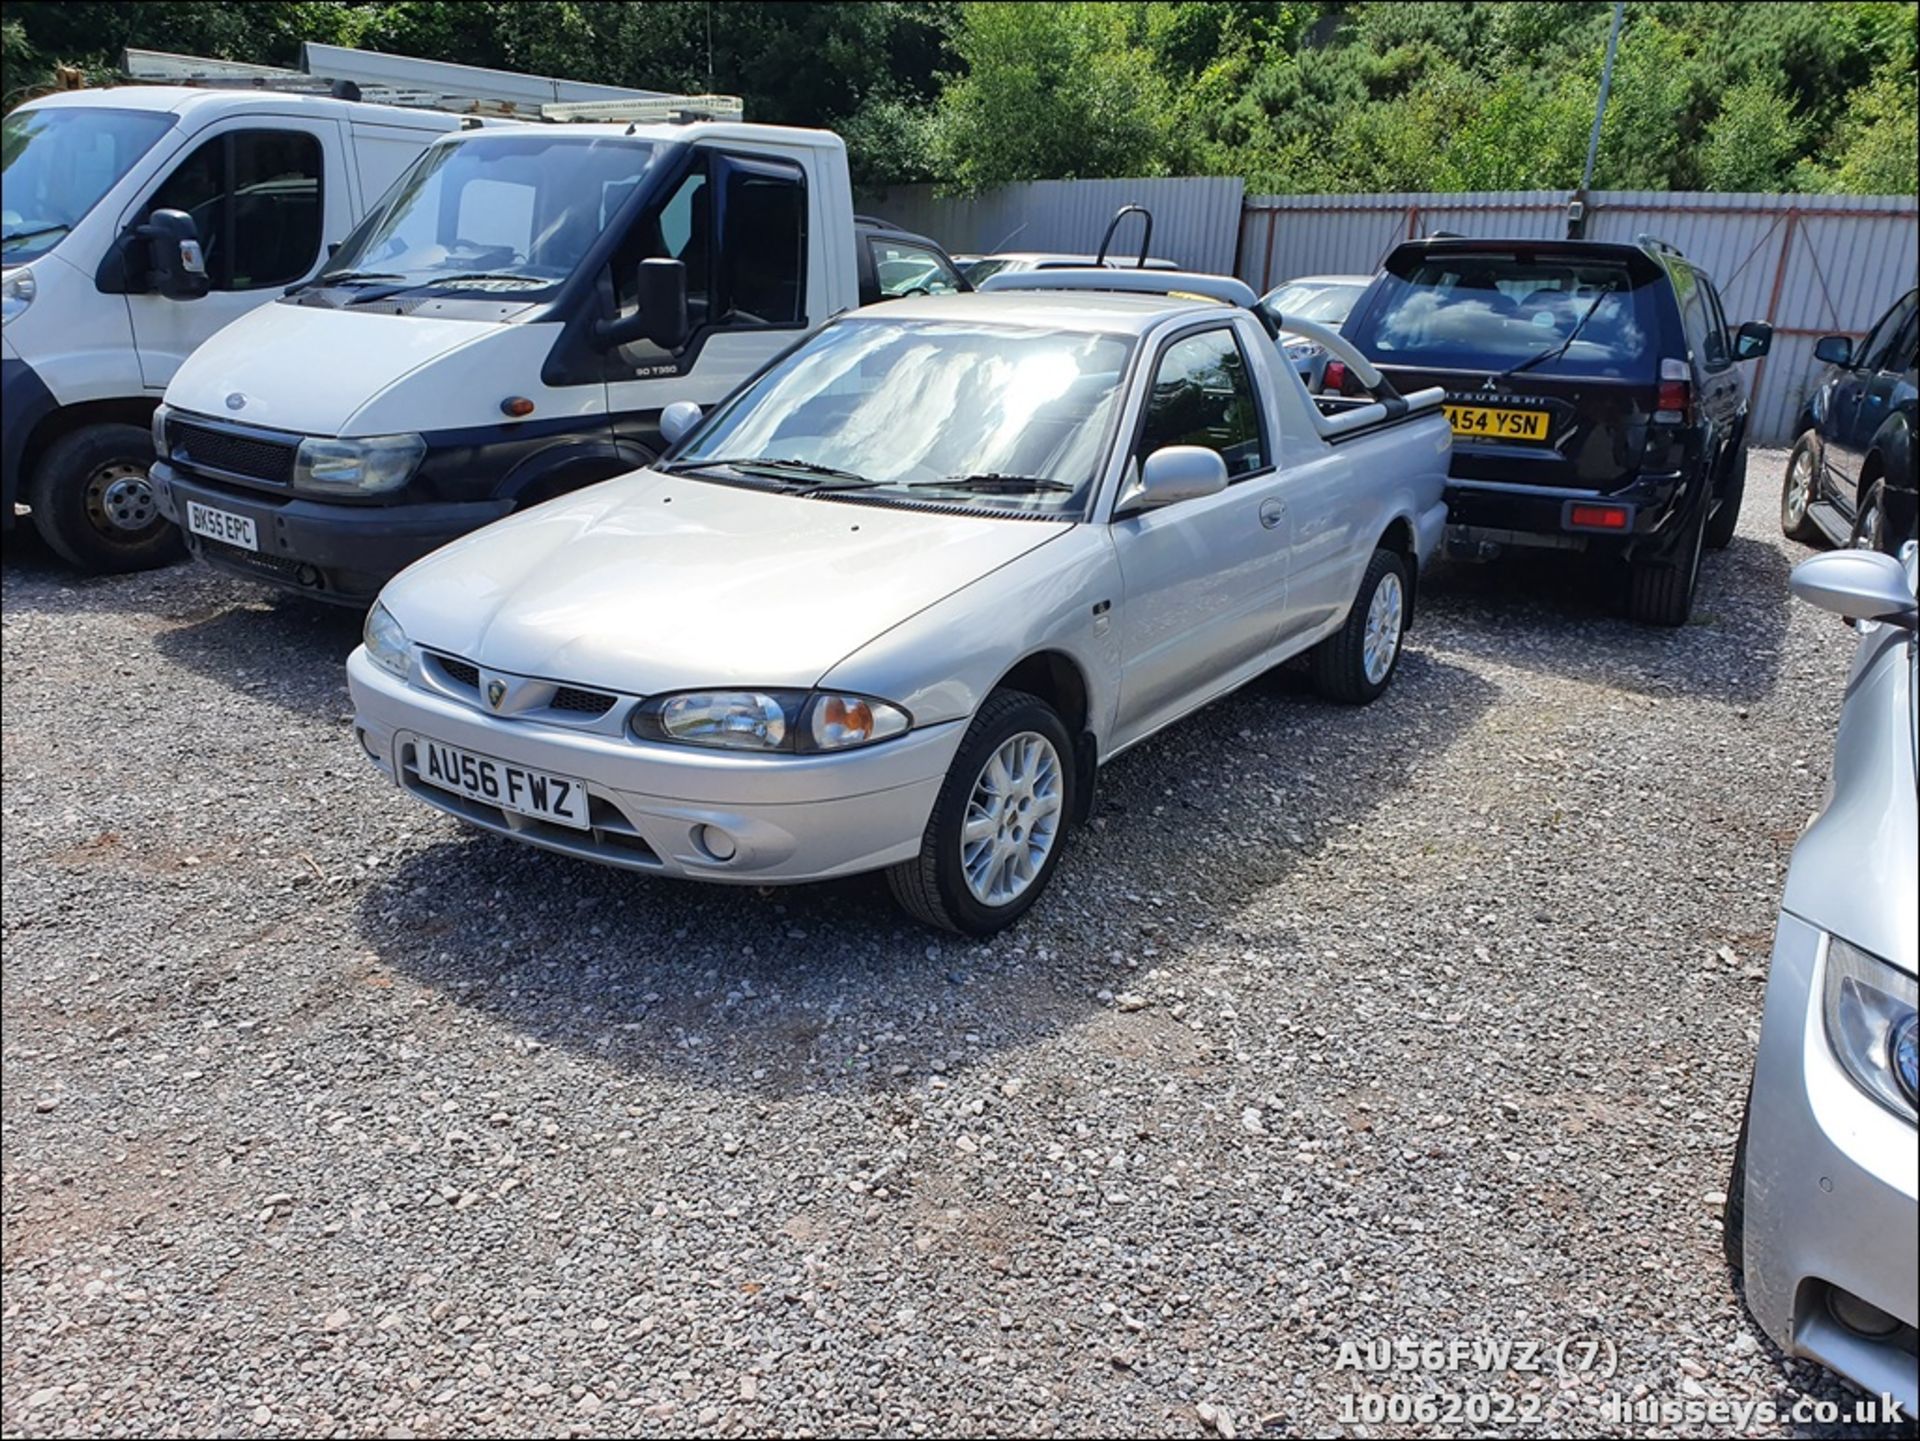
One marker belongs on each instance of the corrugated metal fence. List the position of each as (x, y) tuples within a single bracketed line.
[(1195, 222), (1810, 264)]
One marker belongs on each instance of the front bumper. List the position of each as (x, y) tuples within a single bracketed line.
[(1831, 1186), (1485, 516), (791, 818), (332, 552), (24, 402)]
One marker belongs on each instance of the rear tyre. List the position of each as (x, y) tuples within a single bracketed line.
[(1356, 663), (1799, 489), (1660, 591), (1733, 1217), (94, 506), (1870, 524), (1733, 491), (998, 824)]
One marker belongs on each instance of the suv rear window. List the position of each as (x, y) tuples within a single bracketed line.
[(1489, 311)]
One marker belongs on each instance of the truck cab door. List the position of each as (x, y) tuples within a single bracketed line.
[(1204, 581), (741, 226), (266, 195)]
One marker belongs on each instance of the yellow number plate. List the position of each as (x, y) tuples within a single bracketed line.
[(1495, 424)]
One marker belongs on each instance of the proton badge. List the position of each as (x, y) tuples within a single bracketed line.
[(496, 692)]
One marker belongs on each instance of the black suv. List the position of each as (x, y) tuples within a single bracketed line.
[(1850, 479), (895, 262), (1595, 393)]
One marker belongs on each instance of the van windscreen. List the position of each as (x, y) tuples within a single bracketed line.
[(1557, 314)]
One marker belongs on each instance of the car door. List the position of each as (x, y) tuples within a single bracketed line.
[(1203, 581), (1851, 422), (1884, 385), (1716, 382), (265, 199), (1724, 389)]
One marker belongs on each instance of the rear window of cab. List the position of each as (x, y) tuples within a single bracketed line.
[(1591, 316)]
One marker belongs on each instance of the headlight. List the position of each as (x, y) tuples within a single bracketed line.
[(386, 643), (16, 294), (1869, 1011), (365, 466), (769, 720), (160, 415), (1298, 350)]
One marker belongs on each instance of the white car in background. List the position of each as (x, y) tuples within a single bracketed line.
[(1821, 1215), (1324, 299)]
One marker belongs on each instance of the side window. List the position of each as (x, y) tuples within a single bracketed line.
[(1905, 347), (681, 229), (1719, 346), (1693, 311), (1879, 348), (254, 196), (1202, 395), (904, 269), (763, 250)]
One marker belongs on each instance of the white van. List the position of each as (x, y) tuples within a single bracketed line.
[(506, 326), (94, 330)]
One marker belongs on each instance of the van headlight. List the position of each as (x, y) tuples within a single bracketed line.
[(1870, 1018), (769, 720), (367, 465), (386, 643), (16, 294)]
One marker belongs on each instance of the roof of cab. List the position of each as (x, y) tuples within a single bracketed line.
[(1089, 310), (184, 100), (664, 132)]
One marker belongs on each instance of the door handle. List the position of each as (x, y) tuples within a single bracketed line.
[(1272, 512)]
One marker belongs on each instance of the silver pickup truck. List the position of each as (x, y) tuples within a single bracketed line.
[(892, 604)]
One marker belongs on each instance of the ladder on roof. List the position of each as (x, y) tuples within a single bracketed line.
[(380, 79)]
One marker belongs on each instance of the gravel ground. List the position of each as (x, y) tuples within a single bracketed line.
[(1428, 1021)]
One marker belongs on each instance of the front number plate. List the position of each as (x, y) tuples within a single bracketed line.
[(1497, 424), (222, 525), (515, 788)]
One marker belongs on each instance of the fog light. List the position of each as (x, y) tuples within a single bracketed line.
[(714, 843), (1599, 517), (1860, 1317)]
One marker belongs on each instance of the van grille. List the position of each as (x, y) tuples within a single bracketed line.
[(233, 454)]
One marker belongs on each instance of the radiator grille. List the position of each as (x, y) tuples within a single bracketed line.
[(235, 454)]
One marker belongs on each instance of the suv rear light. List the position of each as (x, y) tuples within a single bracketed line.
[(1333, 379), (1673, 401)]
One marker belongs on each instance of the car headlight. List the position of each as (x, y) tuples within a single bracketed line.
[(1298, 350), (364, 466), (1870, 1016), (386, 643), (769, 720), (16, 294), (161, 413)]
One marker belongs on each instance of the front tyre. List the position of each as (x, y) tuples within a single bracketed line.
[(1356, 663), (94, 506), (998, 824)]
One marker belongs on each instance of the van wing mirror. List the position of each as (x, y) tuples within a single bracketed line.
[(176, 263), (1172, 474), (1752, 340), (1858, 584), (1833, 350), (661, 316)]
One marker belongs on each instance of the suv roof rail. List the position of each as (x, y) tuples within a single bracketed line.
[(1654, 242)]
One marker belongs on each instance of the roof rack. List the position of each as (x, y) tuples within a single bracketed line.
[(1654, 242), (381, 79), (1223, 288)]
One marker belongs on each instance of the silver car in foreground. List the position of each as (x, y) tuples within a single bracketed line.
[(892, 603), (1821, 1216)]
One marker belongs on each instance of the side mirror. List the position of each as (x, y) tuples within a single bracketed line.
[(177, 263), (661, 319), (1834, 350), (1858, 584), (1172, 474), (1752, 340), (677, 419)]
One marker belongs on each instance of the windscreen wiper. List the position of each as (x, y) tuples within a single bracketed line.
[(34, 234), (831, 477), (993, 483), (1554, 352)]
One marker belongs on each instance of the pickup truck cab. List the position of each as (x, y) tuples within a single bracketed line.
[(892, 604), (94, 331), (506, 326)]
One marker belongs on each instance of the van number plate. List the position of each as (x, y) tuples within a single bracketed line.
[(1497, 424), (222, 525)]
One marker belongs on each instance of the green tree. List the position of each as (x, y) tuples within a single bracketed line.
[(1752, 143)]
